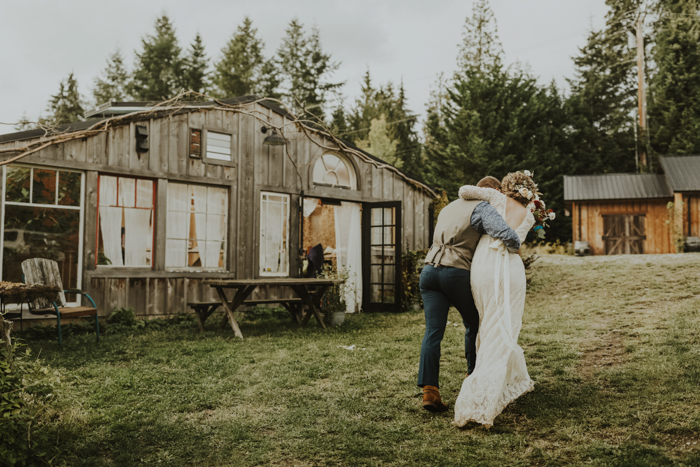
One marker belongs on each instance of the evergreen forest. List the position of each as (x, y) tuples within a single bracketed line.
[(488, 118)]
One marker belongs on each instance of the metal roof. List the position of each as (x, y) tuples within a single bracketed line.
[(682, 172), (615, 186)]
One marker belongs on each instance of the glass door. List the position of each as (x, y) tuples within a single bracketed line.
[(381, 246)]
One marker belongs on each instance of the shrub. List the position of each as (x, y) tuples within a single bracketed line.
[(26, 387), (124, 316), (411, 261)]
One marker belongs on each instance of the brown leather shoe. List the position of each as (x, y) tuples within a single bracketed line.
[(432, 401)]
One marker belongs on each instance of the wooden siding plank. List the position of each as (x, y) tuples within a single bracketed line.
[(247, 200), (160, 224), (387, 185), (90, 228), (409, 216)]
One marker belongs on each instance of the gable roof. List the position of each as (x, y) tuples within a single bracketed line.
[(682, 172), (615, 186)]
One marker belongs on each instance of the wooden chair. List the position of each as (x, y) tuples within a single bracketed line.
[(45, 271)]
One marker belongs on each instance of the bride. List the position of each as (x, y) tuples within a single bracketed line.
[(500, 375)]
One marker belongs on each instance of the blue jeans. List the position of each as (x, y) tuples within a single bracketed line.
[(441, 287)]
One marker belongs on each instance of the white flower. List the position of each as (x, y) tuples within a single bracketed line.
[(527, 172), (529, 194), (552, 216), (531, 207), (537, 197), (523, 191)]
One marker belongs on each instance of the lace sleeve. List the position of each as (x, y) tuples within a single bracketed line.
[(494, 197)]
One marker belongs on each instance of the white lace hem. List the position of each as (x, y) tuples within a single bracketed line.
[(510, 393)]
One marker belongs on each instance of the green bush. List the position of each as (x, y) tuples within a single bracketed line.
[(411, 261), (125, 316), (26, 388)]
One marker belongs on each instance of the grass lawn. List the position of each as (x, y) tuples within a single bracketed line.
[(612, 343)]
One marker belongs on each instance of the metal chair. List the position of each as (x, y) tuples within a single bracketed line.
[(45, 272)]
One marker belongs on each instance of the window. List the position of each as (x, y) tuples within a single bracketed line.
[(196, 226), (125, 221), (42, 220), (218, 146), (274, 234), (196, 144), (331, 170)]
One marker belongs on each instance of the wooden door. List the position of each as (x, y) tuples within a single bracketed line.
[(381, 256), (624, 234)]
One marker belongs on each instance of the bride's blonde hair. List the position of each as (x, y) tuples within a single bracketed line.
[(519, 186)]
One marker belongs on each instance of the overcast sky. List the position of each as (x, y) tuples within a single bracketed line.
[(41, 42)]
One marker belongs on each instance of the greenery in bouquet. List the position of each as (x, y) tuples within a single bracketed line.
[(523, 189)]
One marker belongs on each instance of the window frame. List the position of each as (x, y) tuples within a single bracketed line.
[(352, 173), (153, 229), (285, 273), (205, 140), (81, 227), (224, 268)]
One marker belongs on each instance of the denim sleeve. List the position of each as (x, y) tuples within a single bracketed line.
[(486, 220)]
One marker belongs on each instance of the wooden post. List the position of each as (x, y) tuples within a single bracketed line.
[(641, 95), (678, 222)]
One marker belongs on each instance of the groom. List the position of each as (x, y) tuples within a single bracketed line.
[(445, 281)]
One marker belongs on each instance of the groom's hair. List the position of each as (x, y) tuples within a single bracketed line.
[(489, 182)]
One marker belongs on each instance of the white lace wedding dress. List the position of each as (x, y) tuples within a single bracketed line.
[(498, 284)]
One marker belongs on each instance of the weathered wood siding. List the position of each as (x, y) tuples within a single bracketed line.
[(587, 219), (691, 215), (254, 168)]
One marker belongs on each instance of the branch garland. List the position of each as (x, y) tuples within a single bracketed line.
[(177, 104)]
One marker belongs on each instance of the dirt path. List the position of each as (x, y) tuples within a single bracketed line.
[(602, 346)]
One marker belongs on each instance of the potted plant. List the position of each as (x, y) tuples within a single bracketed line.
[(333, 302)]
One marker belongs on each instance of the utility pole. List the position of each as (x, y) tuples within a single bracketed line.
[(641, 94)]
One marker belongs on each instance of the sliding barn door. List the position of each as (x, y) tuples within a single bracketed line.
[(381, 247), (624, 234)]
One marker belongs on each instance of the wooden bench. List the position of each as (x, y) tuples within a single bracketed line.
[(204, 310)]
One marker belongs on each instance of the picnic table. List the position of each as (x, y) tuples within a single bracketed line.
[(244, 287)]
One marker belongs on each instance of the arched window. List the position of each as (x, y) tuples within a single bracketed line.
[(332, 170)]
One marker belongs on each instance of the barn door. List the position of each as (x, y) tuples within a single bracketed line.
[(624, 234), (381, 261)]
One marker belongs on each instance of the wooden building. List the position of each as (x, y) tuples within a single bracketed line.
[(139, 211), (629, 213)]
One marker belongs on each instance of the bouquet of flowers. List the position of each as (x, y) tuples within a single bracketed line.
[(530, 197)]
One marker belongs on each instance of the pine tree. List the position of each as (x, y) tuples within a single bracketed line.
[(380, 143), (492, 120), (339, 122), (364, 111), (480, 48), (305, 71), (158, 71), (240, 70), (195, 74), (65, 106), (604, 96), (112, 85), (25, 124), (674, 104)]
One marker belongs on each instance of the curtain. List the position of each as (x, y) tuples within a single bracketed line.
[(110, 221), (136, 236), (199, 195), (111, 231), (310, 205), (348, 246)]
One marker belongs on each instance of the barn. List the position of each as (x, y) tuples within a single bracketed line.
[(143, 201), (631, 214)]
